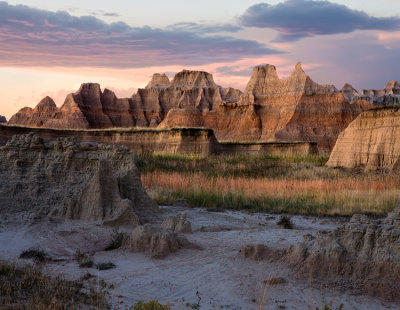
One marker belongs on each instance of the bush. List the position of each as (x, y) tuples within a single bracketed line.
[(83, 259), (151, 305), (28, 288), (37, 255), (105, 266), (285, 222)]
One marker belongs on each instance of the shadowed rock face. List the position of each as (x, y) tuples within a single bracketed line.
[(370, 141), (389, 95), (271, 109), (3, 119), (365, 253), (63, 178)]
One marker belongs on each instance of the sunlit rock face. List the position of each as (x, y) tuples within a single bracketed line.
[(370, 141), (270, 109)]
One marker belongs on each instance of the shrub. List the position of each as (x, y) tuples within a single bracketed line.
[(36, 254), (151, 305), (84, 260), (105, 266), (285, 222)]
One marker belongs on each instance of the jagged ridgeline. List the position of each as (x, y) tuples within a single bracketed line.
[(270, 109)]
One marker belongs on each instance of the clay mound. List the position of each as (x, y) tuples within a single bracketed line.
[(63, 178), (159, 243), (364, 254), (3, 119), (178, 224), (370, 142), (260, 252)]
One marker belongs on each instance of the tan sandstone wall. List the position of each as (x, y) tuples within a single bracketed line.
[(370, 141), (172, 141)]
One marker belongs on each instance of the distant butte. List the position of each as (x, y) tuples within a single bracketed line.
[(270, 109)]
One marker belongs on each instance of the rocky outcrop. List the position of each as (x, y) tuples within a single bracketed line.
[(178, 224), (260, 252), (370, 141), (389, 95), (3, 119), (363, 252), (158, 243), (139, 140), (271, 109), (63, 178)]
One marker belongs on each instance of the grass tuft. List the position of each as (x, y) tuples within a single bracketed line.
[(28, 288)]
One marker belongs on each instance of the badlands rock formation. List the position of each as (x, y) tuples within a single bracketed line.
[(364, 253), (371, 141), (158, 243), (178, 224), (3, 119), (389, 95), (260, 252), (63, 178), (271, 109)]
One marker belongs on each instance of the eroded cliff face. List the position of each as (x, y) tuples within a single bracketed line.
[(271, 109), (370, 141), (274, 109), (63, 178), (363, 254), (389, 95)]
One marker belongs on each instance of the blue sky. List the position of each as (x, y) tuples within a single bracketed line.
[(50, 47)]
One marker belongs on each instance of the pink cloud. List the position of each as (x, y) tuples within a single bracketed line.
[(22, 22)]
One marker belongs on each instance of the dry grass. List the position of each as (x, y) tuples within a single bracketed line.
[(28, 288), (293, 185)]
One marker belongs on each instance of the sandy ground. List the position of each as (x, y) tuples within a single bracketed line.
[(216, 274)]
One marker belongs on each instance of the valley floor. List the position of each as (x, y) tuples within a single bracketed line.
[(215, 277)]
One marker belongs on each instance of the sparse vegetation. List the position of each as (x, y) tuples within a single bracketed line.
[(38, 255), (116, 243), (83, 259), (28, 288), (285, 222), (105, 266), (270, 183), (151, 305)]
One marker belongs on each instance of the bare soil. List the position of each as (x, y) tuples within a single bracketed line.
[(216, 273)]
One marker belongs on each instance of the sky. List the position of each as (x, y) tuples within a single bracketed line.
[(51, 47)]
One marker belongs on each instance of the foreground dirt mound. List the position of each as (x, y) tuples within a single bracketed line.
[(159, 243), (260, 252), (363, 253), (63, 178), (370, 141), (178, 224)]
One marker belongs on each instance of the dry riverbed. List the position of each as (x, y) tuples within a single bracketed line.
[(215, 276)]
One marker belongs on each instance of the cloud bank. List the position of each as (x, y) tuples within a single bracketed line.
[(296, 19), (33, 37)]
